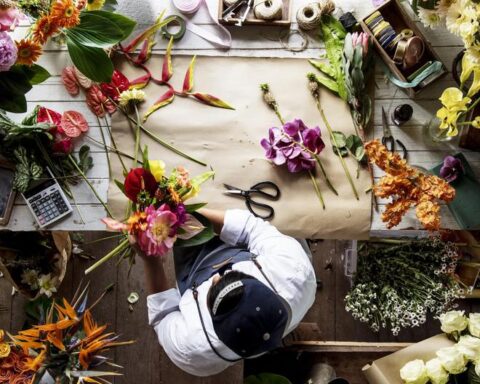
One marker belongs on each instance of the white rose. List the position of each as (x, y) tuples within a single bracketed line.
[(474, 324), (469, 346), (453, 321), (452, 360), (436, 373), (414, 372)]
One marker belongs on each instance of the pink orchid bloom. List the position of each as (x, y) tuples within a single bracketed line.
[(160, 235)]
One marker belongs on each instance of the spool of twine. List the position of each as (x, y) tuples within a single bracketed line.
[(268, 9), (310, 16)]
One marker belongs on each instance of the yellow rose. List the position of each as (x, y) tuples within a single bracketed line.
[(157, 169), (4, 350), (453, 321), (452, 360), (436, 373), (414, 372), (474, 318)]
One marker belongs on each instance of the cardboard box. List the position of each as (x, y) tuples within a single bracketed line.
[(393, 12)]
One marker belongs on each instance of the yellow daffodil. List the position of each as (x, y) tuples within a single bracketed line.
[(157, 169)]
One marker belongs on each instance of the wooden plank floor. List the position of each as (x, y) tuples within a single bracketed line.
[(145, 361)]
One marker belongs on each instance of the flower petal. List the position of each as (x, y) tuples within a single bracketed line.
[(163, 101), (212, 100), (192, 227)]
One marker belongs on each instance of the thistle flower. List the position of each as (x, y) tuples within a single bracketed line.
[(268, 96)]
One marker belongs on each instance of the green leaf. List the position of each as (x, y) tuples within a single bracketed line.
[(120, 185), (340, 139), (126, 24), (92, 62), (323, 67), (14, 82), (266, 378), (95, 31), (202, 237), (355, 146), (36, 74), (31, 118), (327, 82), (85, 160), (194, 207), (342, 151), (146, 164), (13, 103)]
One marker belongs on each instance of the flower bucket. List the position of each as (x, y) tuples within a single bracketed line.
[(59, 260)]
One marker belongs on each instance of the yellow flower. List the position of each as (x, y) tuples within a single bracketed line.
[(195, 185), (95, 5), (475, 87), (476, 122), (131, 96), (2, 335), (452, 98), (4, 350), (467, 68), (157, 169)]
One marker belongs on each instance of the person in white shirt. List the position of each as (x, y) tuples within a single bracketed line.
[(236, 297)]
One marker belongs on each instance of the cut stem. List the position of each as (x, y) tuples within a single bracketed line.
[(79, 170), (137, 137), (317, 189), (104, 145), (334, 140), (114, 144), (114, 252)]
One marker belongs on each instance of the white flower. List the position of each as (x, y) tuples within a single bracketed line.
[(414, 372), (135, 96), (473, 54), (429, 17), (47, 285), (30, 278), (474, 324), (436, 373), (443, 6), (452, 360), (460, 12), (453, 321), (469, 346)]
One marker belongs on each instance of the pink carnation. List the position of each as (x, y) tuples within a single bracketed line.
[(160, 235)]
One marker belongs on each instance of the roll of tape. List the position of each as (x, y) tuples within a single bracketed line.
[(309, 17), (187, 7), (177, 21), (268, 9)]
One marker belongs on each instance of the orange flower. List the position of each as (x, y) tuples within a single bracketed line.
[(44, 28), (65, 13), (174, 195), (35, 363), (137, 222), (28, 52)]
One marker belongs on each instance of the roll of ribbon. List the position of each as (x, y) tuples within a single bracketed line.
[(177, 21), (309, 17), (223, 39), (268, 9)]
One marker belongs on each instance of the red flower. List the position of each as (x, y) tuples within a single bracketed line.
[(139, 180), (46, 115), (118, 84), (98, 103), (63, 145)]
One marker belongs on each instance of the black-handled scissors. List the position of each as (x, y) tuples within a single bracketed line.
[(387, 139), (266, 189)]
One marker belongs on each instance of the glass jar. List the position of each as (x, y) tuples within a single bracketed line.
[(434, 132)]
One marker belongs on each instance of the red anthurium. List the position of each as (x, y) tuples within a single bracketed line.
[(118, 84), (63, 146), (46, 115), (138, 180)]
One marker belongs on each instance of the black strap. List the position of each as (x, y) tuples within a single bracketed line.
[(195, 296)]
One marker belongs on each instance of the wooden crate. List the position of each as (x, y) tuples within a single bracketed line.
[(393, 12), (285, 21)]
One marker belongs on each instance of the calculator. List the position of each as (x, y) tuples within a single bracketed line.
[(46, 200)]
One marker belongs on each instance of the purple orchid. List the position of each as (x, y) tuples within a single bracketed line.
[(293, 145), (451, 169)]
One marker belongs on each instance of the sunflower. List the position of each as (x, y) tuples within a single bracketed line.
[(95, 5), (44, 28), (28, 52), (65, 13)]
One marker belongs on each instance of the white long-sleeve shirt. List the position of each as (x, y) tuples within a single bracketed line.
[(175, 318)]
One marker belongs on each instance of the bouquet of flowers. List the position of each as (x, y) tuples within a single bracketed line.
[(87, 28), (408, 187), (160, 218), (399, 281), (68, 344), (35, 262), (462, 18), (457, 364)]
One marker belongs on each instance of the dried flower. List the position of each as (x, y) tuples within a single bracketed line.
[(65, 14), (8, 52), (408, 187), (451, 169), (28, 52), (268, 96)]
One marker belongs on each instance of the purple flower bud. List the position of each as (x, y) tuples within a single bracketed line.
[(451, 169)]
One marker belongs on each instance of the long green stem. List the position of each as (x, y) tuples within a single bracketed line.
[(334, 140), (317, 188), (158, 140), (137, 137), (104, 145), (114, 252), (329, 184), (79, 170), (473, 105), (114, 144), (111, 149)]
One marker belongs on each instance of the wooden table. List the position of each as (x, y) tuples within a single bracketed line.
[(247, 41)]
